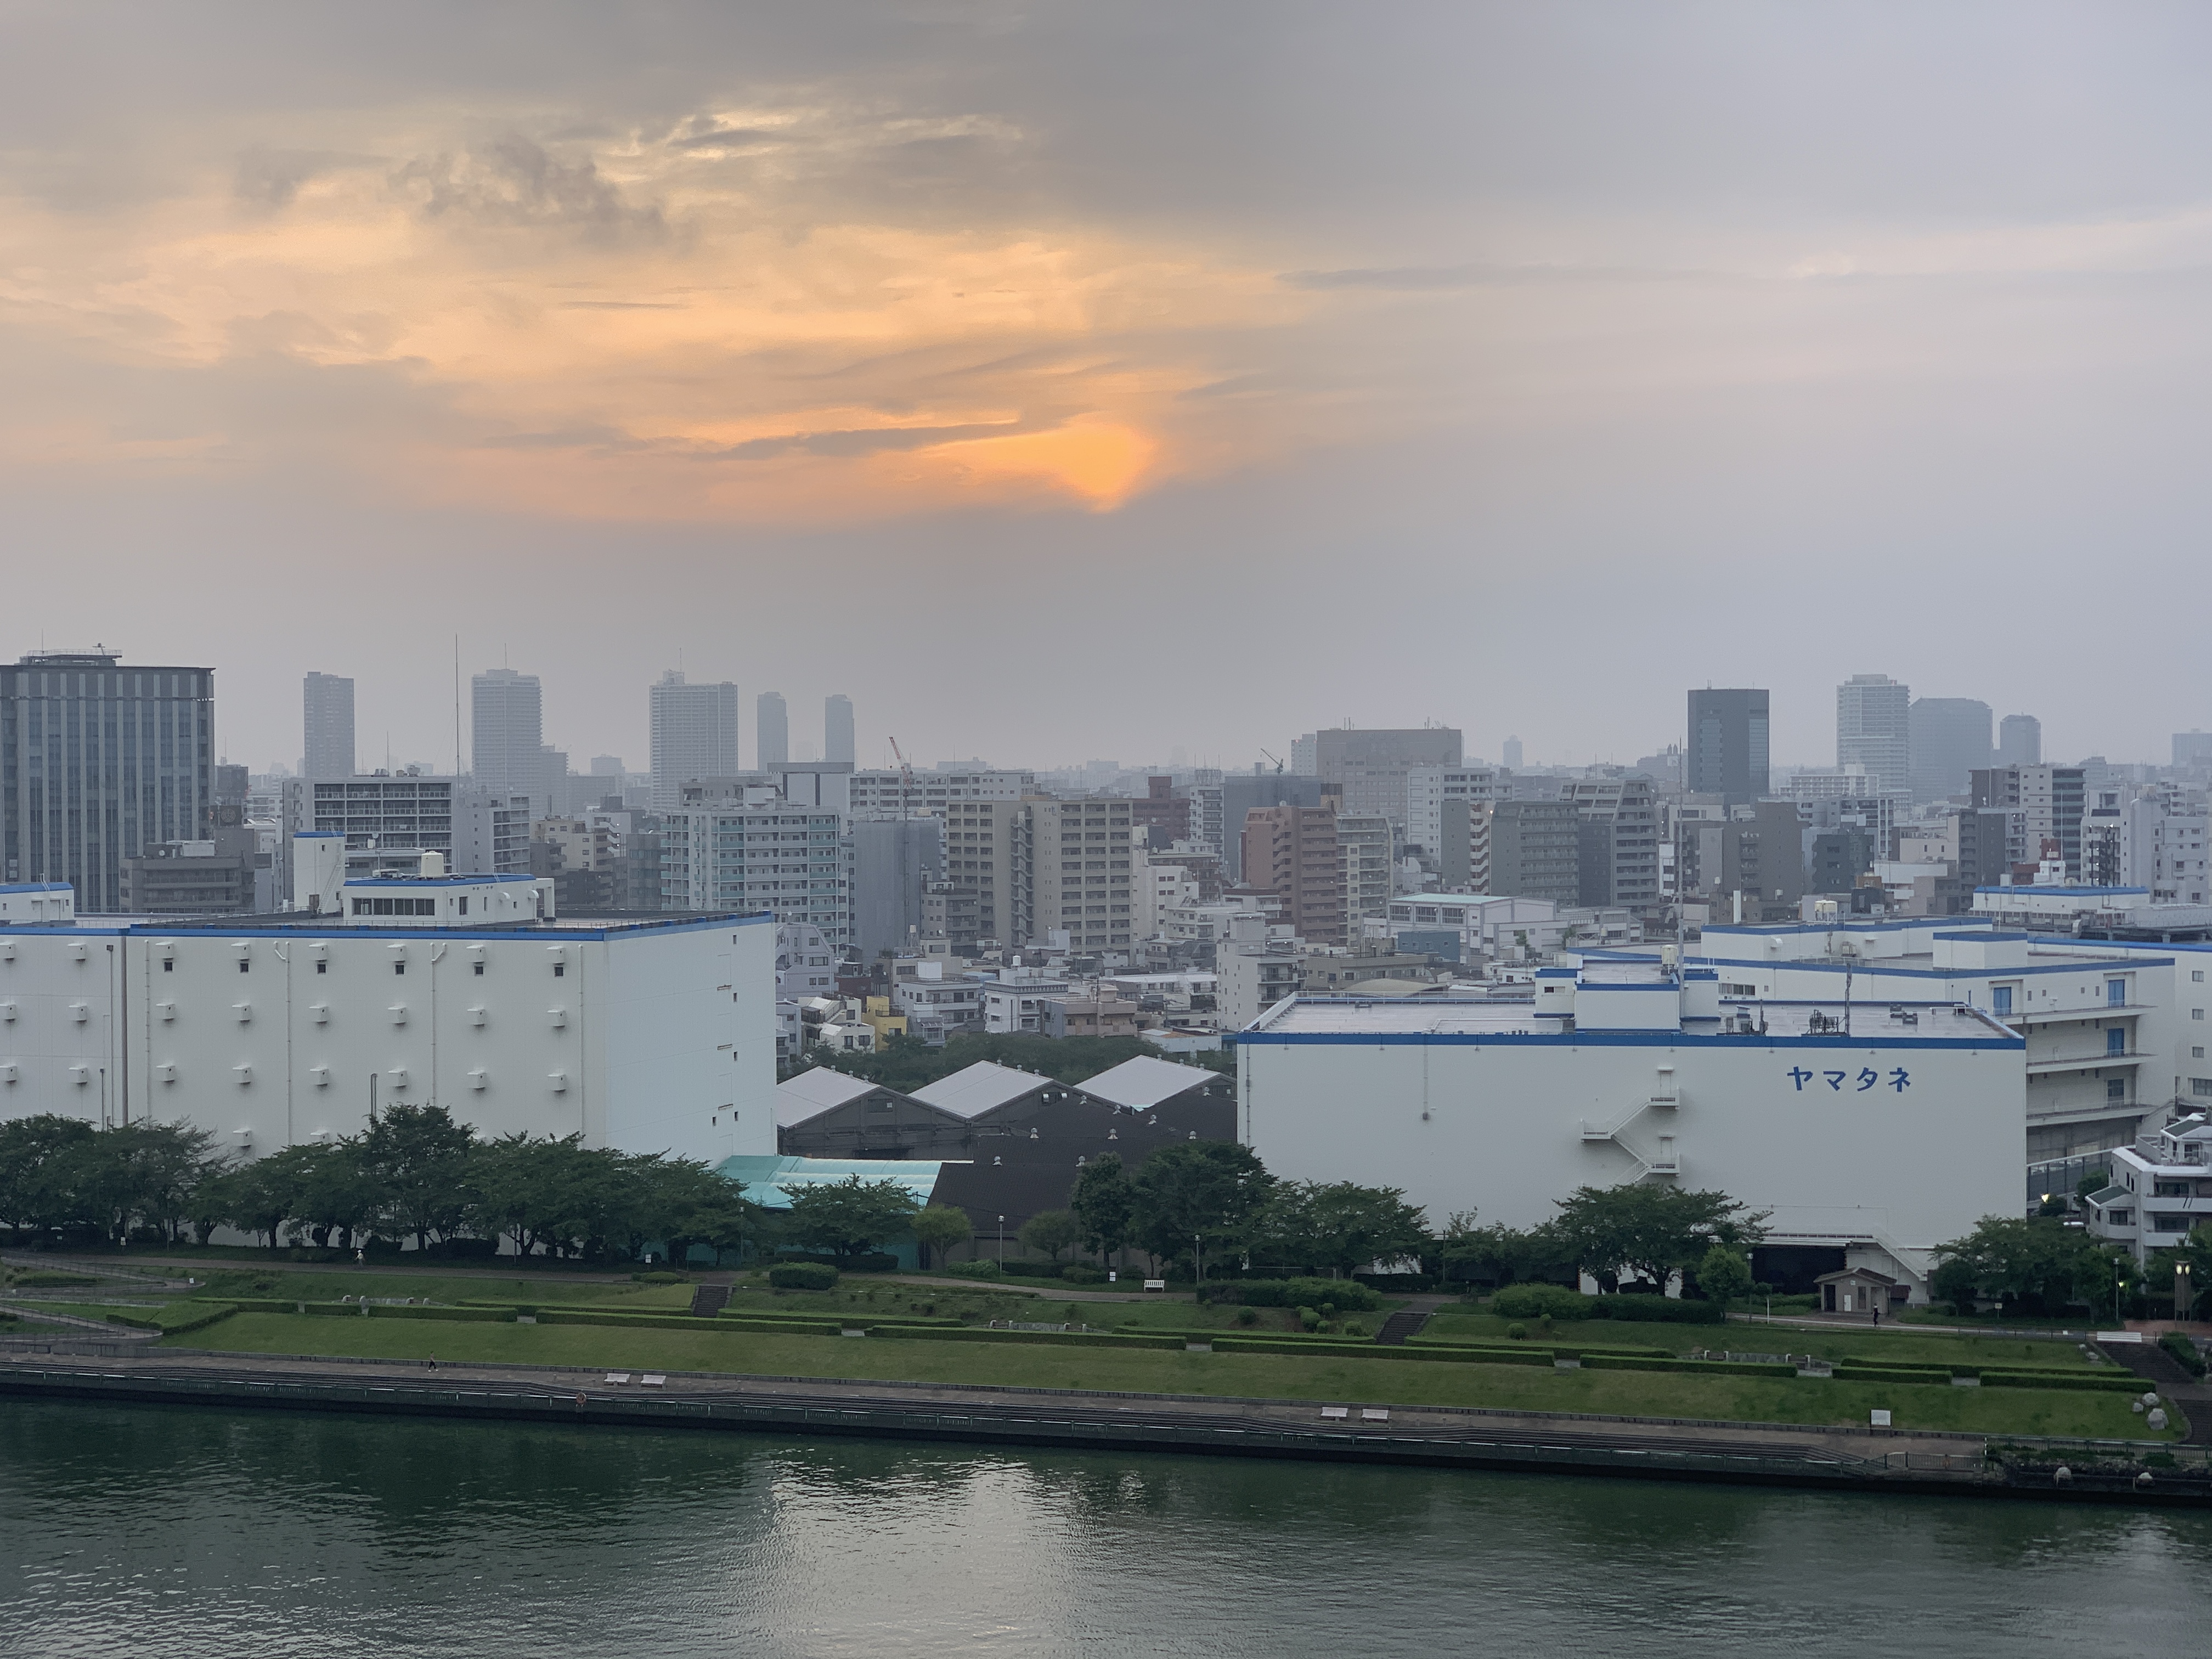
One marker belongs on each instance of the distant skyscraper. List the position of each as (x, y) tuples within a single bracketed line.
[(2192, 751), (329, 750), (838, 727), (1509, 757), (773, 744), (1950, 741), (139, 767), (606, 765), (1874, 729), (2019, 740), (507, 735), (694, 735), (1727, 744)]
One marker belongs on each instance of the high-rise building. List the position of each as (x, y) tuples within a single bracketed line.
[(895, 861), (838, 727), (1293, 852), (694, 735), (1950, 738), (1241, 791), (1617, 840), (329, 750), (1727, 754), (1437, 802), (98, 763), (2192, 751), (1526, 849), (1083, 881), (1509, 756), (741, 847), (508, 736), (2044, 805), (384, 817), (1163, 817), (772, 743), (2020, 741), (1366, 845), (1366, 769), (1873, 730)]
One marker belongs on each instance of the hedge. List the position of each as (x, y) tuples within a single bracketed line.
[(213, 1316), (1344, 1295), (1050, 1339), (1558, 1302), (135, 1322), (401, 1311), (1313, 1349), (1990, 1379), (1602, 1362), (802, 1276), (1494, 1343)]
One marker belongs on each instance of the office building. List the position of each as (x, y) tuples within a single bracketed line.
[(1293, 852), (1950, 742), (1438, 798), (694, 735), (2046, 805), (224, 872), (1487, 1108), (837, 728), (506, 754), (1082, 883), (2192, 751), (383, 821), (1367, 769), (1241, 791), (2020, 741), (422, 987), (1727, 744), (98, 762), (772, 745), (1874, 731), (328, 751), (1509, 756)]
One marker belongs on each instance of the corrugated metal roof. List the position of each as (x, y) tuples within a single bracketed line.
[(973, 1090), (814, 1092), (1145, 1082)]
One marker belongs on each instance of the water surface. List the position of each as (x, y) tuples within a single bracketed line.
[(158, 1531)]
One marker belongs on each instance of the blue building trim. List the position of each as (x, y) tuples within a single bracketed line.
[(35, 887), (303, 929), (1614, 1040), (2090, 965)]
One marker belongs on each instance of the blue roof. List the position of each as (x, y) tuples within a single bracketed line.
[(767, 1178), (35, 887)]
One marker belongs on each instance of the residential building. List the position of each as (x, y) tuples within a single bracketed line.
[(936, 999), (327, 723), (1255, 965), (1438, 815), (1616, 841), (733, 845), (1241, 791), (898, 794), (98, 762), (1367, 769), (1082, 874), (1162, 818), (188, 877), (989, 872), (694, 735), (1617, 1074), (1756, 851), (1981, 843), (2046, 805), (1874, 731), (2192, 751), (1364, 845), (1726, 753), (507, 736), (1294, 853), (1836, 859), (2020, 741), (1526, 849), (895, 863), (2162, 847), (837, 728), (1014, 1002), (1160, 887), (1104, 1015), (2158, 1191), (472, 827), (463, 991), (1950, 742), (772, 746)]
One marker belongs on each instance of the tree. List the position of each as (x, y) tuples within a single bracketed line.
[(1649, 1230), (255, 1198), (1724, 1274), (1195, 1195), (1051, 1231), (2038, 1262), (939, 1228), (848, 1217), (1339, 1225), (36, 1156), (418, 1157), (1104, 1201), (1499, 1254)]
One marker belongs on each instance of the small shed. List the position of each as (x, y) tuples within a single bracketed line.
[(1860, 1290)]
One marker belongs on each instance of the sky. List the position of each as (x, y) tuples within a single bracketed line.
[(1075, 381)]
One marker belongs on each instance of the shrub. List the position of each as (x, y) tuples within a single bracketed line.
[(1518, 1331), (1540, 1302), (800, 1276), (50, 1280), (1076, 1273), (1658, 1310), (1346, 1295), (1309, 1320), (2183, 1350), (659, 1276), (1035, 1269), (984, 1269), (1247, 1316)]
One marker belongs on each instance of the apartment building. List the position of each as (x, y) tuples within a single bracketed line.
[(747, 849), (1294, 853), (2046, 804), (895, 795), (1437, 802), (1525, 849), (1364, 840), (1617, 840), (1083, 881)]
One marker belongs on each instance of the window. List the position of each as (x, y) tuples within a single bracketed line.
[(2169, 1189), (322, 967), (461, 905), (478, 966), (2197, 976), (2200, 1085), (2116, 1041), (2001, 1000), (2116, 993), (244, 966), (398, 967), (560, 969), (2164, 1222), (168, 964), (2116, 1088)]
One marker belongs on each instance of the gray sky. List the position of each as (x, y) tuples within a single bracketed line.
[(1073, 381)]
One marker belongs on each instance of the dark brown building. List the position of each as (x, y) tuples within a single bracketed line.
[(1293, 853)]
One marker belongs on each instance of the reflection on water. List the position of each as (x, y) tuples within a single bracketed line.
[(208, 1533)]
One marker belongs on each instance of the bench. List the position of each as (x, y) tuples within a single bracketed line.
[(653, 1380), (1375, 1413), (617, 1377), (1156, 1284), (1337, 1411)]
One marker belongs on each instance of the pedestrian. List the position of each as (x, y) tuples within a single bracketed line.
[(434, 1362)]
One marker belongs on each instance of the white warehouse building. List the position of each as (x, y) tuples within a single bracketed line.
[(465, 992), (1870, 1147)]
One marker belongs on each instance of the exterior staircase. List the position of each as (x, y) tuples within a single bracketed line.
[(2163, 1372), (708, 1300), (1405, 1322)]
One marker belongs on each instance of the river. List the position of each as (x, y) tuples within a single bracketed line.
[(156, 1531)]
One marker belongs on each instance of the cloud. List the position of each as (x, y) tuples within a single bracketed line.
[(272, 178), (863, 441), (511, 182)]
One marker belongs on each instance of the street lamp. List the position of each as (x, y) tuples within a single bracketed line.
[(2182, 1297), (1002, 1240)]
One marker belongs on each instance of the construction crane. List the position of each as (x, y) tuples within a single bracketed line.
[(1278, 765), (906, 771)]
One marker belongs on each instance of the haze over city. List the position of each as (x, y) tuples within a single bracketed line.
[(1491, 365)]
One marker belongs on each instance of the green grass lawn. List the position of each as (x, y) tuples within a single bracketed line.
[(141, 1309), (1864, 1343), (1374, 1381), (328, 1285)]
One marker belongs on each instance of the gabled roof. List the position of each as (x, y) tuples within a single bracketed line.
[(1143, 1082), (975, 1089), (814, 1092)]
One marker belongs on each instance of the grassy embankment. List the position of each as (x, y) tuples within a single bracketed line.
[(1886, 1346), (1321, 1377)]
